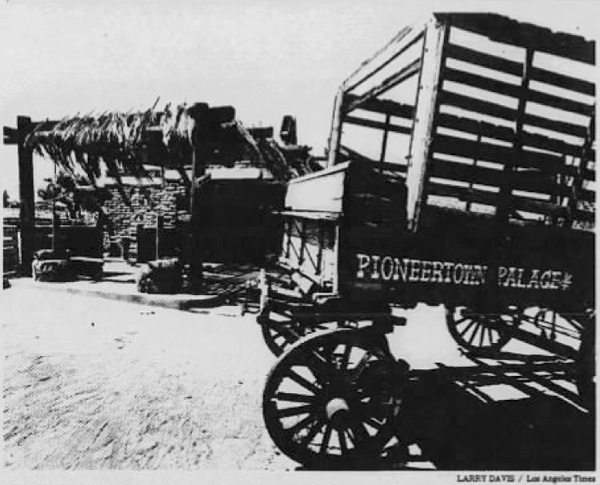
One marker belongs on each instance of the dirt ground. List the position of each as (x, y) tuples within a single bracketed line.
[(91, 383)]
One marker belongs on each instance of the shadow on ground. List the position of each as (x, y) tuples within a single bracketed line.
[(506, 417)]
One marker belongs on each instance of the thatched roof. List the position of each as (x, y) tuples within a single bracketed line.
[(126, 141)]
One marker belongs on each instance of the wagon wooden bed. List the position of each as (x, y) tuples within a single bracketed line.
[(476, 192)]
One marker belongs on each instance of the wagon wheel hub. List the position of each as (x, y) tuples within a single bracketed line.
[(337, 411)]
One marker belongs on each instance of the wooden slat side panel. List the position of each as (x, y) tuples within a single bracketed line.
[(474, 104), (376, 124), (507, 31), (384, 106), (466, 194), (531, 181), (546, 143), (488, 61), (555, 125), (481, 82), (558, 102), (563, 81), (495, 153), (475, 127)]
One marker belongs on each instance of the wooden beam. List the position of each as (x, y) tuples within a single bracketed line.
[(261, 132), (505, 30), (398, 77), (484, 60), (480, 82), (504, 204), (384, 140), (409, 42), (11, 136), (426, 107), (376, 124), (26, 195), (383, 106), (559, 102), (474, 104), (563, 81)]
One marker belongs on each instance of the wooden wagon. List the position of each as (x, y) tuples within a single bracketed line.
[(461, 172)]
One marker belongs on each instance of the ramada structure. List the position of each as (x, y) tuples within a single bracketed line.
[(192, 143)]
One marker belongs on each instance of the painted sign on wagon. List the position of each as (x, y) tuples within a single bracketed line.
[(375, 267)]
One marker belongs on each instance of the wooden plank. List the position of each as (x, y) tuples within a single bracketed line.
[(505, 30), (465, 173), (384, 106), (317, 193), (559, 102), (402, 36), (563, 81), (475, 127), (478, 105), (10, 135), (427, 106), (384, 140), (461, 147), (555, 125), (335, 134), (587, 195), (402, 75), (586, 216), (481, 82), (546, 143), (376, 124), (538, 207), (261, 131), (484, 60), (529, 181), (466, 194)]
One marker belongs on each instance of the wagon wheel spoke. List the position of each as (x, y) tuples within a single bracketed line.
[(303, 381), (326, 439), (345, 358), (302, 424), (314, 429), (343, 442), (294, 397)]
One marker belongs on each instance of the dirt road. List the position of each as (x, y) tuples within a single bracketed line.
[(91, 383)]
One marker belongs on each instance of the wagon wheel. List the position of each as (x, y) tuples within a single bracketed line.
[(479, 332), (280, 333), (331, 399)]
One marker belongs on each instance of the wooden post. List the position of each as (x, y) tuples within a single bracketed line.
[(159, 230), (504, 202), (27, 202), (197, 111), (385, 138), (206, 132), (430, 79), (139, 234)]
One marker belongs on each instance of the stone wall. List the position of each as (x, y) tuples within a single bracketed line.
[(146, 203)]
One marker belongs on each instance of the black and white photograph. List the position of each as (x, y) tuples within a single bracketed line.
[(292, 241)]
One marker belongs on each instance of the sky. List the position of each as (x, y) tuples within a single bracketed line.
[(267, 58)]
